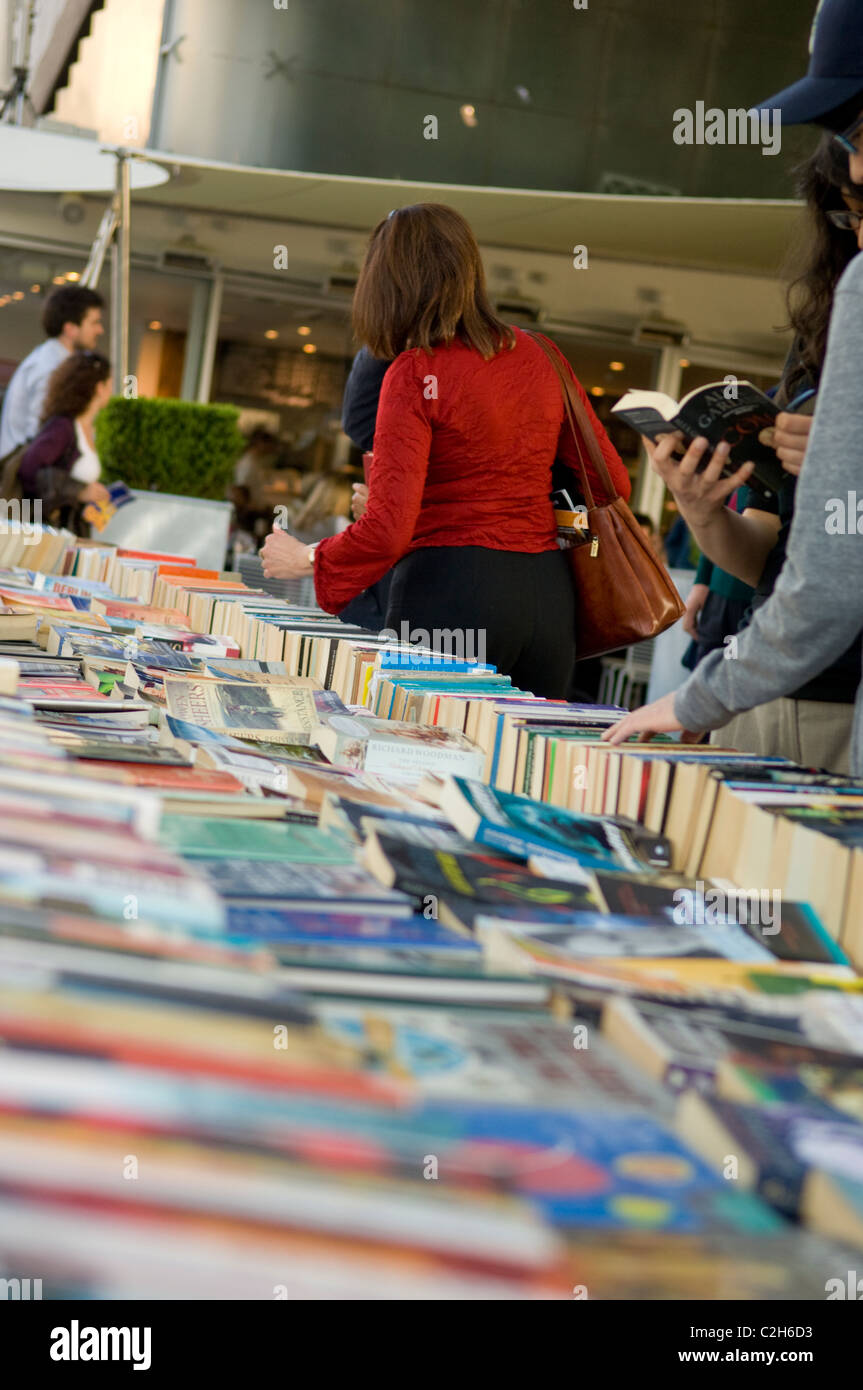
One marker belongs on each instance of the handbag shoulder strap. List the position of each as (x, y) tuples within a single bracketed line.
[(579, 422)]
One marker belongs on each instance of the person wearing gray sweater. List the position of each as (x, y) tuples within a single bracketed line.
[(816, 608)]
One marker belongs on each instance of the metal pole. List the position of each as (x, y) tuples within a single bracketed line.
[(196, 328), (19, 36), (24, 17), (117, 375), (159, 89), (102, 240), (120, 275), (211, 338)]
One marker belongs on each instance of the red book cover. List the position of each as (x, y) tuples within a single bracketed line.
[(170, 778), (191, 570), (59, 690), (30, 598), (214, 586), (161, 556), (642, 795), (142, 612)]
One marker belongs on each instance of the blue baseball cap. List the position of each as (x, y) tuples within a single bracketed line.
[(835, 72)]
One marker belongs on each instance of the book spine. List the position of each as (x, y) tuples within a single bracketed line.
[(513, 841), (331, 663), (530, 753)]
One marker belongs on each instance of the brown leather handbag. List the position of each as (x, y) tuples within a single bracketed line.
[(623, 593)]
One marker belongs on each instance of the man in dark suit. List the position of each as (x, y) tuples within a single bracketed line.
[(359, 413)]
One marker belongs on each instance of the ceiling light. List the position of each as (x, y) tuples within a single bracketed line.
[(617, 366), (597, 390), (73, 275), (19, 294), (309, 347), (685, 362), (468, 114), (304, 331), (59, 280), (271, 333), (154, 324)]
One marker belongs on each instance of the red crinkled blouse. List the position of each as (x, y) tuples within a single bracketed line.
[(462, 456)]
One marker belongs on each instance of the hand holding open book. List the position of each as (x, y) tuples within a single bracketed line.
[(730, 412), (699, 492), (789, 437)]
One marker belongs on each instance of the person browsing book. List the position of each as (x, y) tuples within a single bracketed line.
[(811, 723), (470, 421), (815, 611), (61, 468)]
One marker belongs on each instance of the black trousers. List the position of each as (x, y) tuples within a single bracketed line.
[(369, 608), (512, 609)]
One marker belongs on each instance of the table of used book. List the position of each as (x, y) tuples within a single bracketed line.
[(333, 969)]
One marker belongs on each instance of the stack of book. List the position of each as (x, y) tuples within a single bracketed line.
[(330, 968)]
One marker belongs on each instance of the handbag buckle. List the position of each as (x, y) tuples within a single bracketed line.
[(594, 546)]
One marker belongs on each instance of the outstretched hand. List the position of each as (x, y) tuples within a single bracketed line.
[(283, 556), (658, 718)]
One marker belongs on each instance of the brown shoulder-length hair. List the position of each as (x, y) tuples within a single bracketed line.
[(72, 386), (422, 285)]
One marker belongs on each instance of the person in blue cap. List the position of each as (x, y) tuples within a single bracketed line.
[(816, 609), (831, 93)]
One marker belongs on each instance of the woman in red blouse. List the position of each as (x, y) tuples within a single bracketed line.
[(470, 421)]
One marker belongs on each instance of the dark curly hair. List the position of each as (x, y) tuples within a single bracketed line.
[(821, 254), (72, 386), (68, 304)]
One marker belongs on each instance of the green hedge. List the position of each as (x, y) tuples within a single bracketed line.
[(169, 446)]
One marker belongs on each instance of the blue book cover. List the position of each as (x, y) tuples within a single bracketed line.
[(69, 585), (470, 689), (120, 494), (120, 625), (522, 826), (406, 661), (269, 926), (197, 733), (611, 1169)]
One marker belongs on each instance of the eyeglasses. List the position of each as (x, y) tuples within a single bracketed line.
[(845, 219), (846, 138)]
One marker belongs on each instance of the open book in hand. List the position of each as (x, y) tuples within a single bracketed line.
[(734, 411), (98, 514)]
